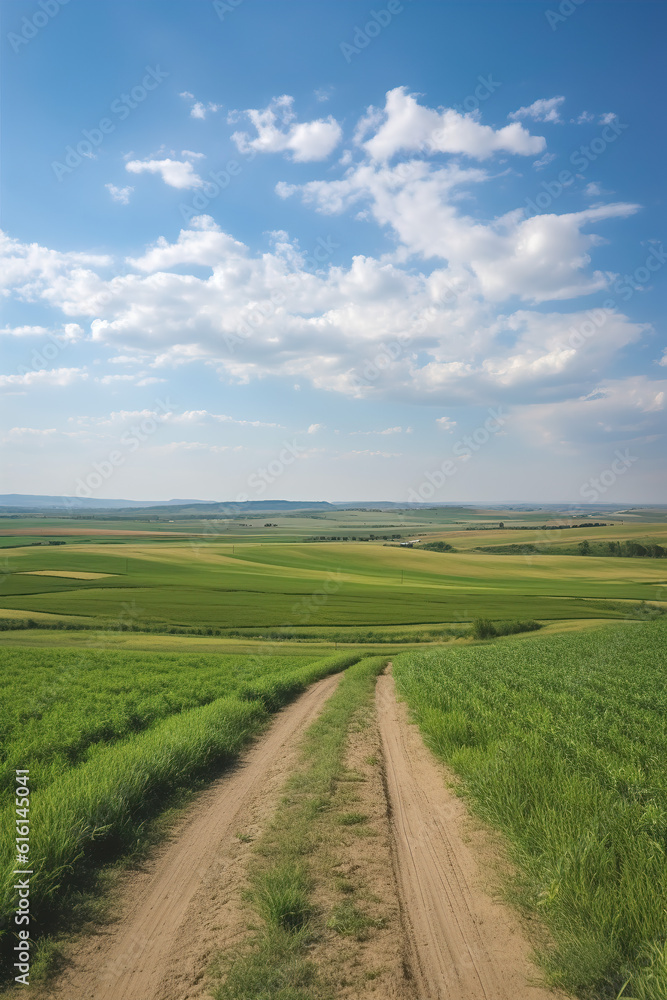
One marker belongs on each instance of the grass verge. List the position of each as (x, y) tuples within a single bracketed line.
[(98, 812), (275, 963)]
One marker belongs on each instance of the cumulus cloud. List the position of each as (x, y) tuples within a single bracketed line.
[(452, 314), (539, 259), (314, 428), (405, 126), (446, 424), (278, 131), (544, 110), (205, 245), (199, 109), (374, 326), (176, 173), (121, 195)]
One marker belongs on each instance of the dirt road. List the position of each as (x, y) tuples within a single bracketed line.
[(180, 912), (463, 945)]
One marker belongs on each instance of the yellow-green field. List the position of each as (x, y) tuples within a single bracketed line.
[(211, 583)]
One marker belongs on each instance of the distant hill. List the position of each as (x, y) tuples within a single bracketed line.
[(11, 503), (37, 502)]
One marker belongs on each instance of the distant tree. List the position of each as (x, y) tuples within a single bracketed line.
[(502, 524), (584, 548)]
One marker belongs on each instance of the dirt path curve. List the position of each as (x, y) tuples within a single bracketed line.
[(463, 944), (176, 915)]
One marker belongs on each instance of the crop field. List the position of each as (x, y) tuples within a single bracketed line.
[(561, 743), (135, 667), (248, 585), (112, 736)]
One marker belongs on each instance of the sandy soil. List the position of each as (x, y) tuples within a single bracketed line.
[(464, 945), (418, 865), (185, 906)]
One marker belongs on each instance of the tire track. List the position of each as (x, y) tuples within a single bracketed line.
[(176, 916), (463, 944)]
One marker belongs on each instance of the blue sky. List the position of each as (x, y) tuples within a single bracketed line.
[(273, 248)]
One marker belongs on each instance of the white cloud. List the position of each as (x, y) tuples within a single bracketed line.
[(593, 189), (28, 269), (278, 131), (446, 424), (24, 331), (439, 318), (371, 454), (121, 195), (539, 259), (314, 428), (608, 118), (199, 109), (584, 118), (204, 245), (630, 409), (41, 436), (407, 126), (387, 430), (544, 110), (176, 173), (544, 161), (43, 377)]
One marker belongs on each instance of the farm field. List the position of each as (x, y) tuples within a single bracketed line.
[(113, 737), (561, 743), (247, 585), (135, 668)]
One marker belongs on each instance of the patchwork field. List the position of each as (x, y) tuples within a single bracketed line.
[(245, 585)]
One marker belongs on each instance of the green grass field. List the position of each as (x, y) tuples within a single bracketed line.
[(111, 738), (561, 743), (177, 649)]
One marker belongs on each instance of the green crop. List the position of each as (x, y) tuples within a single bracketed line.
[(109, 738), (561, 742)]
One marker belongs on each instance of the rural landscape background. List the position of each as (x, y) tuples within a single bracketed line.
[(333, 525)]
